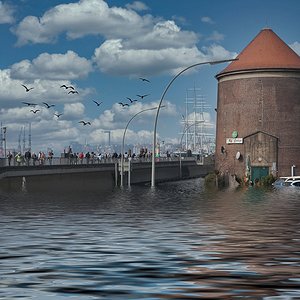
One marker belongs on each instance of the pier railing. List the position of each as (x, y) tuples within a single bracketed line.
[(64, 161)]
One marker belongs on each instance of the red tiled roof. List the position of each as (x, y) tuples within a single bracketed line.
[(265, 51)]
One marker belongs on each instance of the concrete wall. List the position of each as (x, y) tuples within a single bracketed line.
[(97, 177)]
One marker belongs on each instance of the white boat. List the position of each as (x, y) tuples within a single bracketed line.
[(293, 181)]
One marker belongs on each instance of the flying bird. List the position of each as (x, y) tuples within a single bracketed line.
[(131, 101), (58, 115), (29, 104), (85, 123), (67, 87), (35, 111), (48, 105), (26, 88), (123, 104), (97, 103), (143, 96), (144, 79), (73, 92)]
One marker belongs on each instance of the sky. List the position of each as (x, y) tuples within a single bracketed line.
[(103, 48)]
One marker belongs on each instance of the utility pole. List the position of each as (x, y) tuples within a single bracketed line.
[(29, 137), (24, 141)]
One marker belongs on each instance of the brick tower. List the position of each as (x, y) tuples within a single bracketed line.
[(258, 111)]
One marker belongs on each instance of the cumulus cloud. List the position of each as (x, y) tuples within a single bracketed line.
[(45, 74), (217, 52), (296, 47), (132, 42), (6, 13), (111, 57), (164, 34), (117, 116), (79, 19), (74, 110), (116, 135), (66, 66)]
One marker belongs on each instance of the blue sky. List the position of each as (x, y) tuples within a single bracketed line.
[(102, 48)]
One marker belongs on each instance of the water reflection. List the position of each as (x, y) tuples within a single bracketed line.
[(177, 241)]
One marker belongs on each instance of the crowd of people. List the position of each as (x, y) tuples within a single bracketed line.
[(30, 158), (40, 158)]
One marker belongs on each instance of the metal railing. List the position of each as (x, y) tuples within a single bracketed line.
[(68, 161)]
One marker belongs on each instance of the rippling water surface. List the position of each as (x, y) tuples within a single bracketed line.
[(177, 241)]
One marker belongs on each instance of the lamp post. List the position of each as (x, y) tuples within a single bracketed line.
[(123, 141), (158, 108), (4, 139)]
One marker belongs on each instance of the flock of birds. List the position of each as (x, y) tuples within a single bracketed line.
[(73, 91)]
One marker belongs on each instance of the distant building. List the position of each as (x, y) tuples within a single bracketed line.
[(258, 110)]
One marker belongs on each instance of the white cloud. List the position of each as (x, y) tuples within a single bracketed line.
[(52, 66), (135, 137), (164, 34), (117, 116), (296, 47), (208, 20), (132, 42), (217, 52), (74, 110), (137, 5), (12, 92), (216, 36), (79, 19), (6, 13), (111, 57)]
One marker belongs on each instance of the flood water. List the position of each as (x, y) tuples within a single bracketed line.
[(177, 241)]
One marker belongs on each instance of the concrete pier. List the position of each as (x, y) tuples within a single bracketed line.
[(100, 176)]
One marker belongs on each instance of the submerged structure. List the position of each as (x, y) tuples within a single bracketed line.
[(258, 111)]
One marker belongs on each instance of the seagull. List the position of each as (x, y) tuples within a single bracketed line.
[(67, 87), (29, 104), (85, 123), (73, 92), (97, 103), (131, 101), (143, 96), (26, 88), (123, 104), (58, 115), (48, 105), (35, 111), (144, 79)]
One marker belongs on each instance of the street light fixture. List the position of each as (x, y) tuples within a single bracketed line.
[(158, 108), (123, 141)]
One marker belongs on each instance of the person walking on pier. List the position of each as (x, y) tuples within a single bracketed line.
[(19, 158), (34, 158), (27, 157), (81, 157), (50, 156), (9, 157), (88, 156)]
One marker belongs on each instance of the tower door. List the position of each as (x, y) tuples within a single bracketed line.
[(259, 172)]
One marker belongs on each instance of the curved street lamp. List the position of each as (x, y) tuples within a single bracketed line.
[(123, 141), (158, 108)]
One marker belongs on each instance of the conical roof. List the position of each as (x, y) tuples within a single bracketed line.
[(265, 51)]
